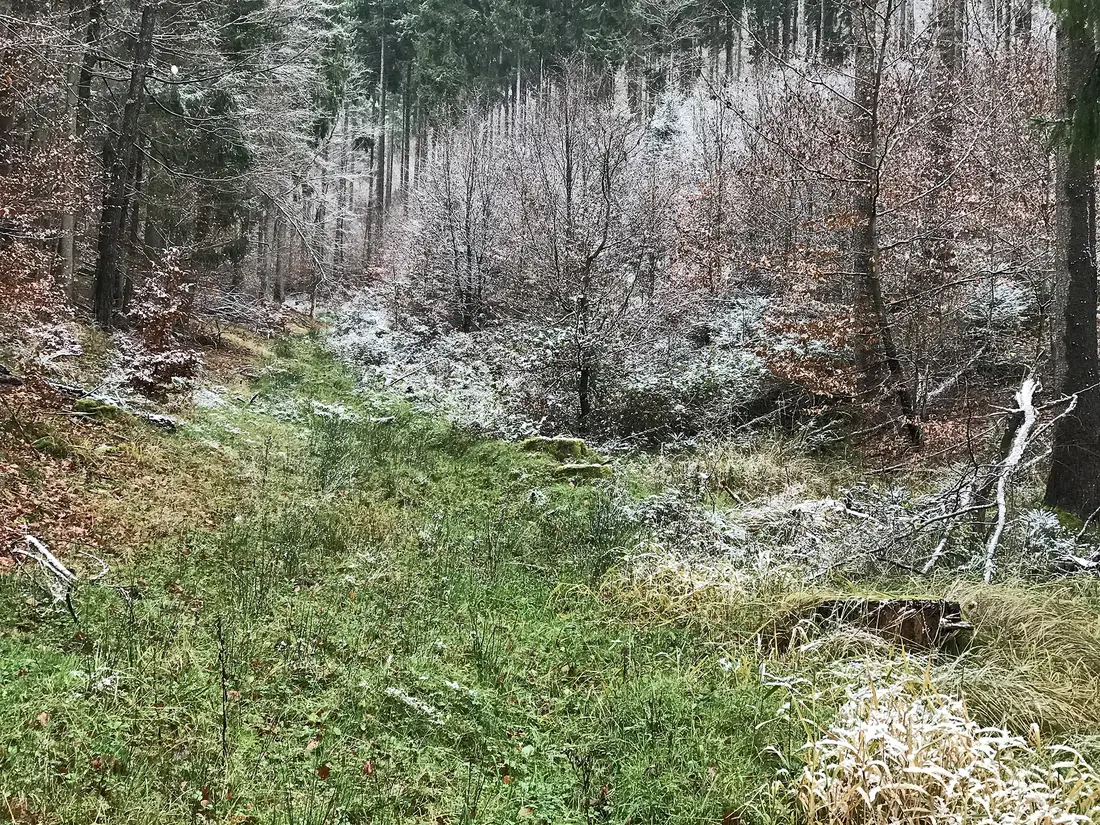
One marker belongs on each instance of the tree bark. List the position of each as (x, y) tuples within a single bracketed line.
[(406, 130), (283, 259), (120, 155), (949, 20), (380, 153), (871, 310), (1074, 481), (263, 233), (584, 394), (66, 245), (136, 233)]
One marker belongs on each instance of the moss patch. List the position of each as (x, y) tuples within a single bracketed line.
[(573, 450)]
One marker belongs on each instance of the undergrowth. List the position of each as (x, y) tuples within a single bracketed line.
[(375, 617), (324, 606)]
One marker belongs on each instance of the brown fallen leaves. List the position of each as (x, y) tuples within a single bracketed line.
[(43, 475)]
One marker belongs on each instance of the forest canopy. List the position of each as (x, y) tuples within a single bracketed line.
[(653, 219)]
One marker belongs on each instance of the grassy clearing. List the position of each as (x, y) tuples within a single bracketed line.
[(330, 609), (326, 608)]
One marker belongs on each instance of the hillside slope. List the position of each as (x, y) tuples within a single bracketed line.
[(324, 607), (378, 619)]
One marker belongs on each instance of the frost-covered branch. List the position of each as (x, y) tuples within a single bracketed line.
[(1025, 400)]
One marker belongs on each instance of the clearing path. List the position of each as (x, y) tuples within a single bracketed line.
[(385, 620)]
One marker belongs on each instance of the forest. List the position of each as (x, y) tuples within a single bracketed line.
[(453, 411)]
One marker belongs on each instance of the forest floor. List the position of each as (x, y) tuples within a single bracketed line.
[(324, 607)]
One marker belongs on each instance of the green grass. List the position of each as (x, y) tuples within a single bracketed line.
[(387, 620)]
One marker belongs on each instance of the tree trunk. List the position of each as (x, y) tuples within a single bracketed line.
[(66, 243), (136, 233), (88, 62), (344, 191), (406, 130), (262, 243), (282, 260), (584, 394), (8, 107), (1074, 481), (940, 249), (240, 251), (120, 155), (872, 313), (380, 179), (271, 248)]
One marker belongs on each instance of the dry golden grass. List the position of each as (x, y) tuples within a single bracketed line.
[(1035, 657), (762, 468), (716, 596), (907, 755)]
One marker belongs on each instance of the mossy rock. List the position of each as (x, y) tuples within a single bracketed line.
[(100, 409), (591, 471), (562, 448), (54, 445)]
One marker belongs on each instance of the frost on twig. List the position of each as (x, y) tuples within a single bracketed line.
[(1025, 399), (1023, 431), (60, 580)]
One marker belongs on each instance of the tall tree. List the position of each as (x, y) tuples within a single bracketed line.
[(873, 22), (121, 159), (1074, 481)]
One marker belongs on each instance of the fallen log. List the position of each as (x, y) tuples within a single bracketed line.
[(8, 378), (921, 624)]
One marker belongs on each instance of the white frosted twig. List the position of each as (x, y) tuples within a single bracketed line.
[(40, 553), (1025, 401), (61, 579), (104, 569)]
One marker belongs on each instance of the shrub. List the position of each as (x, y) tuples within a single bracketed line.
[(895, 757), (162, 308)]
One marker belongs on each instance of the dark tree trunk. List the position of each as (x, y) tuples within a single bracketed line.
[(949, 20), (406, 129), (1074, 481), (584, 395), (88, 62), (134, 217), (264, 231), (8, 122), (7, 136), (282, 260), (871, 309), (240, 251), (380, 180), (344, 198), (120, 156)]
